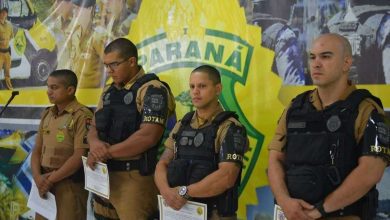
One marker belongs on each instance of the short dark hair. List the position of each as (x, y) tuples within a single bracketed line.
[(211, 71), (124, 46), (4, 9), (68, 76)]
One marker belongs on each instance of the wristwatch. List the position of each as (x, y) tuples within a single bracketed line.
[(183, 192), (320, 207)]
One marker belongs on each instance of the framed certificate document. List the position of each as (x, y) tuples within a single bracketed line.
[(191, 211)]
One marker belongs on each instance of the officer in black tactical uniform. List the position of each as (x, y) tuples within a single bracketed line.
[(203, 157), (331, 145), (127, 128)]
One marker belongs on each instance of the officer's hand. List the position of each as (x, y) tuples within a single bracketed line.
[(43, 184), (91, 160), (314, 213), (296, 209), (99, 150), (172, 198)]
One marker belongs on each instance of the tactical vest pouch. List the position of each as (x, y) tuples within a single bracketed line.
[(310, 148), (309, 183), (102, 120), (177, 173), (199, 170), (227, 203), (148, 162)]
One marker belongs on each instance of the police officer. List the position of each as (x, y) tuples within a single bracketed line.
[(331, 145), (202, 160), (85, 46), (6, 34), (128, 125), (60, 23), (60, 143)]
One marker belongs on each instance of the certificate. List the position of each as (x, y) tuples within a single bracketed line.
[(45, 207), (97, 180), (191, 211), (278, 213)]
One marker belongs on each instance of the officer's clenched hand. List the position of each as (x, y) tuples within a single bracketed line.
[(98, 152), (314, 213), (296, 209), (172, 198), (43, 184)]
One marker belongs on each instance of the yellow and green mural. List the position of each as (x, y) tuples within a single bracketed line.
[(259, 46)]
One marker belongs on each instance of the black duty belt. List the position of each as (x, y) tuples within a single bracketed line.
[(6, 50), (122, 165)]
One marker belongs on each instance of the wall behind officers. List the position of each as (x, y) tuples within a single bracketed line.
[(60, 143), (331, 145), (127, 128), (6, 34), (202, 160)]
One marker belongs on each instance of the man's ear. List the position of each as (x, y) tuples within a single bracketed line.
[(347, 63), (133, 61), (71, 90), (219, 88)]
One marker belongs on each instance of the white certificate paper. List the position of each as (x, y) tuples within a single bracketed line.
[(190, 211), (278, 213), (97, 180), (45, 207)]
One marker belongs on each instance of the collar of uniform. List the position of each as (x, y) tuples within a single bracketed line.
[(316, 101), (198, 122), (140, 73), (70, 108)]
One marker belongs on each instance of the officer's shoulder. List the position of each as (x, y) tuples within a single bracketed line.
[(46, 111), (106, 87), (370, 103), (154, 82), (232, 121), (85, 110)]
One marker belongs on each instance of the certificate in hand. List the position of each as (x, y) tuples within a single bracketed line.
[(191, 211), (45, 207), (97, 180), (278, 213)]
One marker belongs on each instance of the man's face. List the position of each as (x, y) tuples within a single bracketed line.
[(120, 69), (204, 93), (57, 92), (114, 7), (3, 15), (327, 62)]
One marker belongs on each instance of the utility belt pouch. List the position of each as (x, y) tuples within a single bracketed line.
[(148, 162), (227, 203), (177, 173)]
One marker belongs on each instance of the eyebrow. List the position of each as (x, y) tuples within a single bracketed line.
[(323, 53)]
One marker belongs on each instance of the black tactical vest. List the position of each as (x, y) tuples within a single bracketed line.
[(196, 158), (321, 148), (119, 117)]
